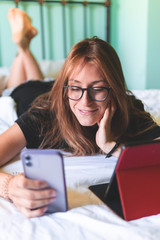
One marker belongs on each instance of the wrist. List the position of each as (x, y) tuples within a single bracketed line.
[(5, 186), (106, 148), (113, 149)]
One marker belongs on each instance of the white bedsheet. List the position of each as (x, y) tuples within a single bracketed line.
[(7, 113), (87, 218)]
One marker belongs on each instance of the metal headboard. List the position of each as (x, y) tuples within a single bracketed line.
[(64, 3)]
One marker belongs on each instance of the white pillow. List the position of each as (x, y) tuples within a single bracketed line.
[(50, 68), (4, 73), (151, 100)]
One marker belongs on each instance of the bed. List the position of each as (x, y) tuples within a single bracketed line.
[(87, 217)]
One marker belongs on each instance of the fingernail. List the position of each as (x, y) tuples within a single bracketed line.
[(45, 209), (53, 194), (52, 200)]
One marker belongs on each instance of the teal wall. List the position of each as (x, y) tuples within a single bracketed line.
[(153, 42), (135, 34)]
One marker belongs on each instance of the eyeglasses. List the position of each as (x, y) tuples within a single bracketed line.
[(98, 94)]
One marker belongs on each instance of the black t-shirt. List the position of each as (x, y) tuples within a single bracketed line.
[(32, 131), (31, 127), (30, 124)]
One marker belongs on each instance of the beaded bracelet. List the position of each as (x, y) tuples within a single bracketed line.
[(113, 149), (6, 182)]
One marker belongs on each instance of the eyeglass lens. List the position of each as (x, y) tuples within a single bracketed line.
[(95, 93)]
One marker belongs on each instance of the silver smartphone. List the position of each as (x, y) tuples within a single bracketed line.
[(47, 165)]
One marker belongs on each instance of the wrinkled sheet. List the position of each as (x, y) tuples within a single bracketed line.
[(87, 217)]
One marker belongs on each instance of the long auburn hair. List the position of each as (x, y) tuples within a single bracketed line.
[(64, 125)]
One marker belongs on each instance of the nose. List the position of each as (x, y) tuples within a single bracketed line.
[(85, 99)]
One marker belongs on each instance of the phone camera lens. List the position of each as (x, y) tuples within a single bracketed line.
[(27, 157), (28, 161)]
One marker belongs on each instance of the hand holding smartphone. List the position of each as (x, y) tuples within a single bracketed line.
[(47, 165)]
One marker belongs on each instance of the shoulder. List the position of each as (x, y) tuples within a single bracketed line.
[(33, 124), (141, 124)]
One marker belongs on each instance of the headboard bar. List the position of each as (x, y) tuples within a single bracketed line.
[(107, 2), (108, 21), (85, 20), (64, 30), (42, 30)]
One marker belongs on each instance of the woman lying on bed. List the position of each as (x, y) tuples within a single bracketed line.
[(88, 110)]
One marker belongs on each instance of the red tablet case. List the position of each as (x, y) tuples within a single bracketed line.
[(138, 178)]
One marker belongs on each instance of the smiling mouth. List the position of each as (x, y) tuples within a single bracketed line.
[(86, 112)]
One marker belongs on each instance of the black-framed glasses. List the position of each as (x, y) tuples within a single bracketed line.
[(98, 94)]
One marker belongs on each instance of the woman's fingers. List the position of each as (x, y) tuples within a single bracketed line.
[(33, 194), (31, 197), (22, 182), (104, 131), (33, 204), (108, 114), (30, 189), (32, 213), (105, 116), (111, 110)]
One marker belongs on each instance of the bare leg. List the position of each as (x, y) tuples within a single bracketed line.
[(25, 66), (32, 69)]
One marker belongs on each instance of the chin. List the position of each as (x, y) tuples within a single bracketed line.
[(87, 124)]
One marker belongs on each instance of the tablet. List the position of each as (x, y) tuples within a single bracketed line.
[(133, 191)]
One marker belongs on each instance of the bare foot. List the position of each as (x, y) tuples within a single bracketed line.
[(21, 26)]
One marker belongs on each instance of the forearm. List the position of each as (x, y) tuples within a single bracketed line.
[(12, 142), (6, 154)]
